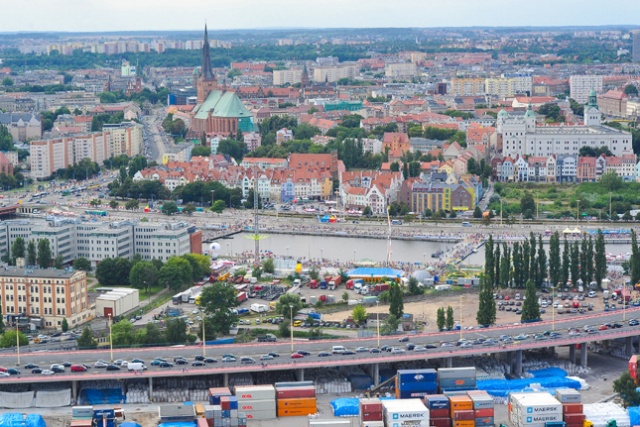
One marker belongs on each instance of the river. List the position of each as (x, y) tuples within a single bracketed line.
[(349, 249)]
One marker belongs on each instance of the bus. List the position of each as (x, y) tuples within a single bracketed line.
[(97, 213)]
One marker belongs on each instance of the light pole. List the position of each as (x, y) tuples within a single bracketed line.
[(204, 337), (354, 255), (553, 309), (321, 255), (378, 320), (460, 316), (291, 325), (17, 339), (110, 339)]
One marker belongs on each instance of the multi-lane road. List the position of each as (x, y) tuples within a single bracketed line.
[(283, 348)]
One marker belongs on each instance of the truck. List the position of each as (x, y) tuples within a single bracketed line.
[(241, 297), (267, 338), (349, 284), (381, 287), (259, 308), (313, 284), (323, 284), (335, 282), (185, 296)]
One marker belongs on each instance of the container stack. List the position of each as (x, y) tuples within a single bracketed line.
[(534, 409), (482, 408), (371, 413), (457, 379), (461, 411), (572, 410), (295, 399), (257, 402), (216, 393), (405, 413), (176, 413), (82, 416), (439, 410), (416, 383)]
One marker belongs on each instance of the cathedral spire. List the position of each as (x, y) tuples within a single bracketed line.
[(206, 70)]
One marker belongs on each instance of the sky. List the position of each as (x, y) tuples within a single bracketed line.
[(166, 15)]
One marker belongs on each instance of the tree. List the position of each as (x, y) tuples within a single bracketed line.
[(122, 334), (143, 275), (414, 286), (58, 262), (1, 321), (81, 263), (575, 262), (554, 259), (449, 322), (18, 249), (528, 206), (175, 273), (626, 388), (64, 325), (95, 202), (284, 328), (44, 253), (176, 332), (489, 262), (440, 318), (566, 263), (189, 209), (600, 270), (200, 265), (530, 308), (153, 335), (396, 305), (634, 261), (610, 181), (31, 253), (86, 340), (11, 337), (131, 204), (367, 211), (217, 207), (542, 262), (217, 303), (268, 266), (201, 151), (113, 204), (283, 306), (345, 296), (169, 208), (390, 325), (7, 82), (631, 90), (477, 212), (487, 305), (359, 314)]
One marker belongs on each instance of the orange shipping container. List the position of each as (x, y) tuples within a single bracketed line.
[(300, 412), (303, 402), (199, 410), (463, 423), (572, 408), (463, 403)]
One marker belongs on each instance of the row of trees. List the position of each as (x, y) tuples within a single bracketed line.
[(444, 318), (124, 335), (512, 267), (41, 256)]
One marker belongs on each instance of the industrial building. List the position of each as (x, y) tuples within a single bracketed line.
[(116, 302)]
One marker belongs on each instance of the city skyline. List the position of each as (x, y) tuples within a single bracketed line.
[(120, 15)]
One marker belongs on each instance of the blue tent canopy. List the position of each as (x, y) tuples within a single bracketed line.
[(375, 272)]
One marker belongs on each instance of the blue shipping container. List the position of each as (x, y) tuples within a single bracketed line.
[(432, 388), (437, 402), (226, 413), (413, 394), (417, 375)]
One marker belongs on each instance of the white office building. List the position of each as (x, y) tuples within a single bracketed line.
[(581, 86)]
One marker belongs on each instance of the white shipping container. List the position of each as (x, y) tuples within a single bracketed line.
[(261, 415), (260, 392), (373, 424), (256, 405), (329, 423), (405, 413)]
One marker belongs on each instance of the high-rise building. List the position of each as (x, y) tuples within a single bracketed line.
[(581, 85), (281, 77), (635, 56)]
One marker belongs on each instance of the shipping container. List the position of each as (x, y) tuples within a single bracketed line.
[(199, 408), (370, 405), (216, 393), (460, 403), (568, 395), (463, 423), (429, 387), (372, 424), (461, 415), (574, 418), (411, 394), (261, 415), (453, 383), (293, 384), (202, 422), (296, 412), (572, 408), (330, 423), (436, 401), (439, 413), (81, 423), (480, 413), (417, 375), (257, 405), (371, 416), (303, 402), (439, 422), (255, 392), (484, 421), (82, 412), (295, 392), (405, 413), (466, 372)]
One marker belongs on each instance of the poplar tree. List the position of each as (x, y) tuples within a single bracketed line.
[(489, 262), (600, 259), (505, 266), (517, 266), (487, 304), (566, 263), (497, 261), (575, 262), (590, 261), (526, 253), (542, 262), (530, 308), (533, 262), (554, 259), (584, 247), (634, 261)]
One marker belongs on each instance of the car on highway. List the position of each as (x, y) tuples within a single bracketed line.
[(410, 346), (419, 349), (634, 322), (13, 371), (348, 353), (446, 344), (31, 366), (521, 337), (78, 368), (304, 353), (180, 361), (404, 339), (199, 358), (428, 346), (137, 361), (46, 372), (266, 357), (273, 354), (166, 365), (362, 350), (157, 362), (228, 359), (324, 354), (198, 363), (100, 364), (246, 360), (375, 350), (208, 360), (602, 327), (113, 368), (36, 371), (66, 364), (57, 368), (396, 350), (296, 356)]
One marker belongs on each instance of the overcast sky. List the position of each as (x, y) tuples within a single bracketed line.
[(118, 15)]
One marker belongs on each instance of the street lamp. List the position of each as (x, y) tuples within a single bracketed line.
[(110, 339), (17, 339), (460, 316), (204, 338), (354, 255), (291, 325), (553, 309), (378, 320), (321, 255)]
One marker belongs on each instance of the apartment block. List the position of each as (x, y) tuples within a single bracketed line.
[(282, 77), (467, 86), (333, 74), (124, 138), (47, 293), (504, 87), (581, 85), (401, 69)]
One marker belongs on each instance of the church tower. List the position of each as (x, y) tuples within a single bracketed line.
[(305, 77), (207, 80), (592, 116)]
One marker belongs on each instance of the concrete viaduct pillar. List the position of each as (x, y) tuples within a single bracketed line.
[(572, 353), (583, 355)]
